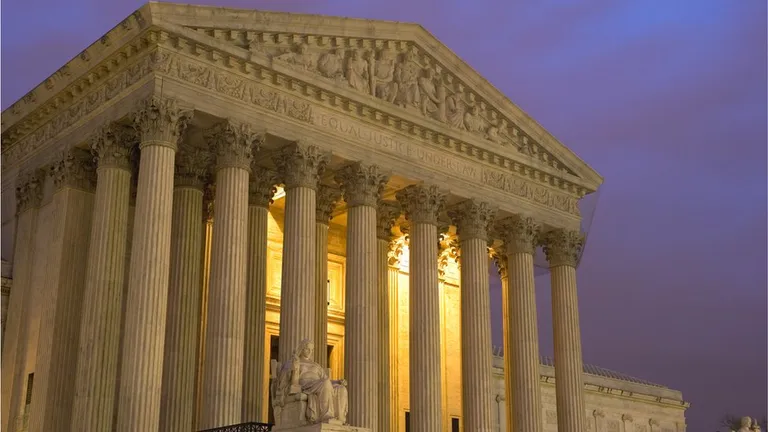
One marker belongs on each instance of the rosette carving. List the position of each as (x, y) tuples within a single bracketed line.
[(362, 184), (113, 146), (520, 234), (472, 219), (234, 144), (160, 121), (192, 166), (386, 215), (29, 190), (562, 247), (422, 203), (261, 187), (326, 199), (300, 165), (74, 168)]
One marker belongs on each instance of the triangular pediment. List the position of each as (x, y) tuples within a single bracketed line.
[(401, 64)]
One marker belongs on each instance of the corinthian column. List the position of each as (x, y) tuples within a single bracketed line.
[(74, 178), (562, 249), (422, 205), (96, 373), (362, 185), (500, 260), (160, 123), (29, 194), (386, 214), (472, 219), (184, 291), (225, 338), (327, 197), (299, 165), (261, 190), (522, 357)]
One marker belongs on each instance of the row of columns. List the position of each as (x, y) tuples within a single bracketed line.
[(156, 311)]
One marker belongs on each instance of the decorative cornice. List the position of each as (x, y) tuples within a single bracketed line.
[(422, 203), (234, 144), (262, 187), (301, 165), (326, 200), (387, 214), (113, 145), (160, 121), (74, 168), (520, 234), (192, 165), (562, 247), (472, 218), (29, 190), (361, 184)]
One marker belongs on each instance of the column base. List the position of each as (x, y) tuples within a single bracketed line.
[(332, 426)]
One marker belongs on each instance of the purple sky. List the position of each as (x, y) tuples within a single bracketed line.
[(666, 99)]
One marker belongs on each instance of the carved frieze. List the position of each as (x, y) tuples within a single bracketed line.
[(562, 247), (422, 203), (262, 186), (472, 218), (74, 168), (327, 198), (361, 184)]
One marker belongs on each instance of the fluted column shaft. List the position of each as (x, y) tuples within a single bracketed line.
[(159, 122), (362, 185), (500, 259), (28, 197), (520, 236), (208, 197), (386, 214), (261, 191), (96, 373), (225, 336), (184, 293), (563, 249), (472, 219), (422, 204), (299, 165), (74, 178), (327, 197)]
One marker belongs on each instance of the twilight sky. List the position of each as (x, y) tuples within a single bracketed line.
[(666, 99)]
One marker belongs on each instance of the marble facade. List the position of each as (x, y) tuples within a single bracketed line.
[(169, 194)]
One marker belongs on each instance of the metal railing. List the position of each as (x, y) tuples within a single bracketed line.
[(243, 427)]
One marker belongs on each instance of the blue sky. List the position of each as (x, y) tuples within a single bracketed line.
[(666, 99)]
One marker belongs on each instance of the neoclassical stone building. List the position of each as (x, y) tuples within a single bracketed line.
[(202, 188)]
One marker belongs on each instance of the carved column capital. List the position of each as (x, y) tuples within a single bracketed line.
[(326, 199), (472, 218), (29, 190), (500, 260), (519, 233), (361, 184), (562, 247), (447, 252), (396, 247), (422, 203), (300, 165), (386, 215), (261, 187), (192, 165), (233, 143), (74, 168), (160, 121), (113, 146)]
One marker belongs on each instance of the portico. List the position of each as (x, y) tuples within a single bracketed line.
[(368, 157)]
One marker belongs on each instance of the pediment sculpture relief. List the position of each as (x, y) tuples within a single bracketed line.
[(748, 424), (303, 393)]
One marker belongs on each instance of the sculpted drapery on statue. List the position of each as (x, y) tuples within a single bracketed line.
[(303, 393)]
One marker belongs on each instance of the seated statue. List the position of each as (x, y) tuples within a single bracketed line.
[(303, 393)]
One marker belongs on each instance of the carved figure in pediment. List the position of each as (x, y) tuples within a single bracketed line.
[(331, 65), (407, 76), (473, 121), (357, 72), (498, 132), (302, 57), (383, 75), (431, 99), (454, 110)]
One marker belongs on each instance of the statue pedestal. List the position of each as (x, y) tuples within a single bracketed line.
[(322, 427)]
